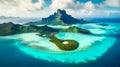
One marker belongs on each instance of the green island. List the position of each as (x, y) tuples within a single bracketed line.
[(62, 44)]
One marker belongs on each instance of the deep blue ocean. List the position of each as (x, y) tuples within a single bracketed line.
[(11, 56)]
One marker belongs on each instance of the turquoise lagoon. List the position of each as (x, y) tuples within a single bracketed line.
[(91, 47)]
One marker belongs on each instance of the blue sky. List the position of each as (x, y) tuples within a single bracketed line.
[(77, 8)]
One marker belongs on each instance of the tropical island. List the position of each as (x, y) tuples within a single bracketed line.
[(58, 18)]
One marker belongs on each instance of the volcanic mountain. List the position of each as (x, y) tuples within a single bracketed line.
[(58, 18)]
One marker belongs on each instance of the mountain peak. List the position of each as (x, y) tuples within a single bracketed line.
[(60, 17), (59, 11)]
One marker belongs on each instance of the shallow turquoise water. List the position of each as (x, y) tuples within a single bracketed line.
[(90, 47)]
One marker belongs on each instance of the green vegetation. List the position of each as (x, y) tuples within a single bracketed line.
[(5, 29), (10, 29), (103, 24), (71, 45), (75, 29)]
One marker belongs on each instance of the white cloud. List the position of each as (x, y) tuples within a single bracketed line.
[(89, 5), (81, 13), (110, 13), (71, 4), (17, 7), (114, 3), (75, 7), (88, 9), (25, 8), (64, 4)]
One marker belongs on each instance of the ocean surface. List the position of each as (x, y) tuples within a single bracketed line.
[(12, 55)]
